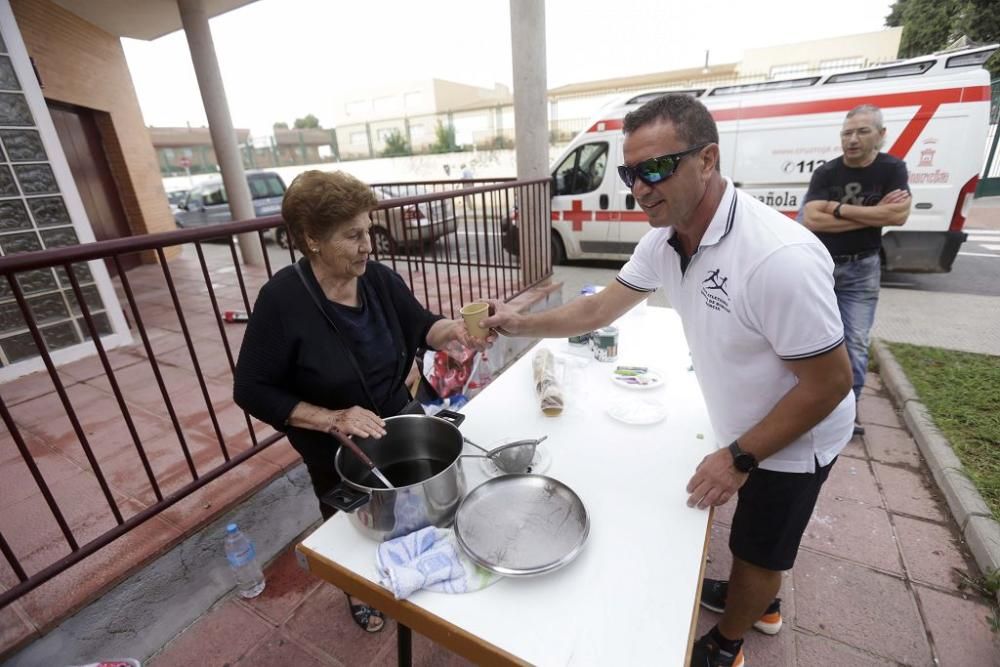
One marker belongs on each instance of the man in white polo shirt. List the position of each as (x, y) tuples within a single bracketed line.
[(755, 294)]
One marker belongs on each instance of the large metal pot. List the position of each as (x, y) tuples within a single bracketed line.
[(420, 456)]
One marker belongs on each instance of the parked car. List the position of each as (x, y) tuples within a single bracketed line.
[(175, 198), (410, 227), (207, 203)]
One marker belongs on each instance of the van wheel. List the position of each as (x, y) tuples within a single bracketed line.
[(558, 250), (384, 245), (281, 237)]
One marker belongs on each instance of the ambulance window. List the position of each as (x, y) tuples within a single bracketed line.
[(582, 170)]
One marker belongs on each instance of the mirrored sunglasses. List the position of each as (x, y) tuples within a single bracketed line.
[(655, 169)]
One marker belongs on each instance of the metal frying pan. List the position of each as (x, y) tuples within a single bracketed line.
[(522, 525)]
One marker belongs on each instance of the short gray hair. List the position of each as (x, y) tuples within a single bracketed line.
[(868, 108)]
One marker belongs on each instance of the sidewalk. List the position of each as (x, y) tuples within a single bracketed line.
[(874, 584), (27, 523)]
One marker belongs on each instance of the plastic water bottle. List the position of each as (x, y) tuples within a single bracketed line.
[(243, 560)]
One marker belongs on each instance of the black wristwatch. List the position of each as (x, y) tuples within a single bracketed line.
[(742, 461), (836, 211)]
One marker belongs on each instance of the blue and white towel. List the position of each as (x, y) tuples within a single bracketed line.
[(431, 559)]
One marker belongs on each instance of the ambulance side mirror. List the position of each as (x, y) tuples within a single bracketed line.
[(629, 202)]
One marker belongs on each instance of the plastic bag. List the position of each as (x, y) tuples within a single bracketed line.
[(448, 370)]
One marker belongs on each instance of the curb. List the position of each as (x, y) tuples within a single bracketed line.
[(975, 521)]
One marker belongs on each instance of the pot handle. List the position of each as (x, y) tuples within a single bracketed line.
[(344, 498), (454, 418)]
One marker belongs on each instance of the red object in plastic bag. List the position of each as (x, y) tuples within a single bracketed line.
[(451, 369)]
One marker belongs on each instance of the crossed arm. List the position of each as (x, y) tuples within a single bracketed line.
[(892, 211)]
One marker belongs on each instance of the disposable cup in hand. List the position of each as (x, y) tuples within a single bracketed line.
[(474, 313)]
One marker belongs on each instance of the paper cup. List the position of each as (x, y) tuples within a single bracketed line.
[(474, 313)]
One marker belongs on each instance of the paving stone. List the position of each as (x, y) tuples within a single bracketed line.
[(718, 551), (855, 448), (911, 492), (959, 628), (279, 649), (288, 585), (873, 382), (16, 479), (852, 479), (891, 445), (221, 637), (853, 530), (14, 627), (869, 610), (931, 552), (425, 654), (817, 650), (95, 574), (879, 410), (724, 513), (325, 623)]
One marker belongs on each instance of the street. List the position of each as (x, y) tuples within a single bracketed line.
[(976, 269)]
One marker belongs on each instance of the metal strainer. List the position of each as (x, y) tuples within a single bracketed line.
[(512, 457)]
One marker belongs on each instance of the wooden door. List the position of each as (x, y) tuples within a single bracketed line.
[(84, 150)]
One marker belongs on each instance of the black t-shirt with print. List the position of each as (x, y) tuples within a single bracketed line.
[(858, 186)]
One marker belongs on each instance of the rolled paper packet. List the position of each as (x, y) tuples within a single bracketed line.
[(474, 313), (550, 397)]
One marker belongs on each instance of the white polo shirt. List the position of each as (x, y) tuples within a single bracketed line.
[(758, 291)]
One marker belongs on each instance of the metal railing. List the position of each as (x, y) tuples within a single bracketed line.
[(467, 260)]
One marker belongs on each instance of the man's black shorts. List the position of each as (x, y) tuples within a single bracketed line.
[(772, 513)]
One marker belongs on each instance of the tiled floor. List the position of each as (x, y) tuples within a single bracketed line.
[(875, 584), (26, 522)]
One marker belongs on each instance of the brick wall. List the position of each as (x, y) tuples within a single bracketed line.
[(83, 65)]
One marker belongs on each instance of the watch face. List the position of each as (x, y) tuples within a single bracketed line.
[(744, 462)]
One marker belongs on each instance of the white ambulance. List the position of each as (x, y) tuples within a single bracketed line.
[(774, 134)]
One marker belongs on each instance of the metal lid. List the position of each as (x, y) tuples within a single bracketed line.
[(522, 525)]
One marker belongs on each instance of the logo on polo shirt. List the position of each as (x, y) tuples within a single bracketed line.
[(713, 288)]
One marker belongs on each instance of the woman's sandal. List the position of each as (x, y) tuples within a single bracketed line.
[(363, 614)]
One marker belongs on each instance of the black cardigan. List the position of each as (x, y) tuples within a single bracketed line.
[(290, 353)]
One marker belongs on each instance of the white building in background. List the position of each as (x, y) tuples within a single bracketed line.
[(366, 118), (484, 118)]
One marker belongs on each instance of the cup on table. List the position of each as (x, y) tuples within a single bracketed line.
[(474, 313)]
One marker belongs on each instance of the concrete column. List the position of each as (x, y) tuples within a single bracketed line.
[(531, 128), (220, 123)]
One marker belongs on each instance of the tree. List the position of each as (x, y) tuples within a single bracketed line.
[(931, 25), (310, 122), (928, 25), (445, 139), (396, 144), (980, 20), (280, 126), (895, 17)]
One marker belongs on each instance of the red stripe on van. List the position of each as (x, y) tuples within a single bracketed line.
[(920, 98), (608, 125), (904, 142)]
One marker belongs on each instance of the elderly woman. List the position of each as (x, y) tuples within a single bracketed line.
[(332, 338)]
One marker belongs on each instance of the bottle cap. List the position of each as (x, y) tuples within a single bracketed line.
[(232, 528)]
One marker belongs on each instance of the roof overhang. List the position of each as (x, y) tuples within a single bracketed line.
[(141, 19)]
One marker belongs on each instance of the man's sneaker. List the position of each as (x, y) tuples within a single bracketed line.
[(858, 429), (706, 653), (713, 596)]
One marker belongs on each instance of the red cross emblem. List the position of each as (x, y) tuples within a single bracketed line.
[(577, 215)]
